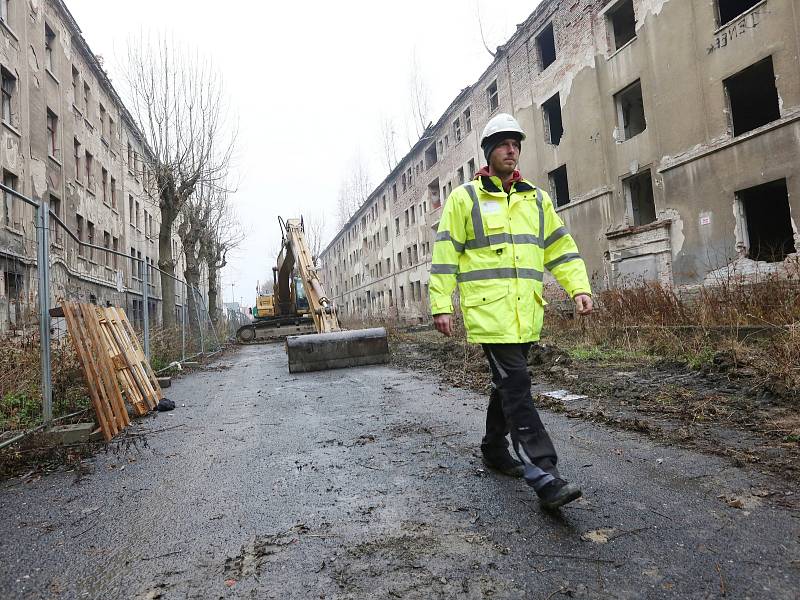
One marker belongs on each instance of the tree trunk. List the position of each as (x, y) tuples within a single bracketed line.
[(213, 293), (166, 263)]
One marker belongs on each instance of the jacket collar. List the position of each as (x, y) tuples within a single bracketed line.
[(493, 185)]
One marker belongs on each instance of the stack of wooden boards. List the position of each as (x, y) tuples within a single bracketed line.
[(114, 365)]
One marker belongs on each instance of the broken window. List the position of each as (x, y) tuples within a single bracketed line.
[(728, 10), (546, 47), (460, 175), (9, 85), (397, 226), (433, 193), (457, 130), (559, 185), (471, 168), (89, 171), (77, 156), (622, 23), (49, 42), (14, 289), (55, 228), (431, 158), (11, 206), (52, 133), (553, 125), (630, 111), (467, 120), (769, 224), (639, 195), (492, 96), (753, 97)]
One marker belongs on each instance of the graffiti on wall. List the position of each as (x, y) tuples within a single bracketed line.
[(736, 29)]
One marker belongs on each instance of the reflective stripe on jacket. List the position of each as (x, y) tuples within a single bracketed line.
[(496, 247)]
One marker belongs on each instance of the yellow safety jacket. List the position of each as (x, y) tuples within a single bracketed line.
[(496, 246)]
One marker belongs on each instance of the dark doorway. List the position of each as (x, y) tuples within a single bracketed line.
[(769, 225)]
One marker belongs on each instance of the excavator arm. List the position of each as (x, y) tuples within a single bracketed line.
[(296, 254), (331, 347)]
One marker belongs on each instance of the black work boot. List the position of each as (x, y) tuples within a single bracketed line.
[(503, 462), (557, 493)]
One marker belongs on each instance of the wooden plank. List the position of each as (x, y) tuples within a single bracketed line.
[(122, 319), (106, 367), (129, 376), (99, 400)]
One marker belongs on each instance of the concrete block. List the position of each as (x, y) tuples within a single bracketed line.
[(164, 382), (70, 434)]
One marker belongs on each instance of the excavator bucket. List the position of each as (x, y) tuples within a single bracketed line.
[(336, 350)]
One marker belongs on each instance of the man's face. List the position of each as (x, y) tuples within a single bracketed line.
[(505, 156)]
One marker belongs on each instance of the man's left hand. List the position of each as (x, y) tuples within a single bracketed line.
[(584, 304)]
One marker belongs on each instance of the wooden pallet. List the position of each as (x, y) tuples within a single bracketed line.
[(113, 362)]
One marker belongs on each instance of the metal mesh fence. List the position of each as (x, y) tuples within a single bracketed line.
[(40, 382)]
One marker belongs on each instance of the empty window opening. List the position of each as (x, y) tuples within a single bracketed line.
[(623, 24), (433, 193), (728, 10), (493, 97), (769, 226), (49, 41), (753, 97), (553, 125), (630, 111), (9, 84), (546, 46), (471, 168), (559, 185), (460, 173), (639, 194)]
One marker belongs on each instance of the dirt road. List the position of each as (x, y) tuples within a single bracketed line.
[(364, 483)]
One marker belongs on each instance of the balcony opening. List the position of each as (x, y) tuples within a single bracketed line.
[(553, 125), (769, 226), (639, 194), (630, 111), (753, 97), (559, 185)]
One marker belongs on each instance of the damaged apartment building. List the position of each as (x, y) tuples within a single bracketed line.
[(66, 137), (666, 131)]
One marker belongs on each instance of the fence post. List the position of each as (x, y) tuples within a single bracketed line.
[(199, 324), (145, 308), (183, 322), (43, 269)]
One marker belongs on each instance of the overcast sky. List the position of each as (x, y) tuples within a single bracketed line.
[(309, 83)]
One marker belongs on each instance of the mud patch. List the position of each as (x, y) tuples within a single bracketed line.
[(254, 554)]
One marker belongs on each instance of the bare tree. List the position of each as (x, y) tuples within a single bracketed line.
[(176, 101), (354, 190), (388, 145), (221, 234), (314, 223), (420, 98)]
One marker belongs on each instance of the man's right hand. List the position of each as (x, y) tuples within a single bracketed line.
[(444, 324)]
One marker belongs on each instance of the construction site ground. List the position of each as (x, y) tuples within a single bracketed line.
[(367, 483)]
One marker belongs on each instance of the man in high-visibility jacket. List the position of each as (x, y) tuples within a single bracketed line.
[(497, 235)]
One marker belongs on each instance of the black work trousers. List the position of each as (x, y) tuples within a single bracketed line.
[(511, 410)]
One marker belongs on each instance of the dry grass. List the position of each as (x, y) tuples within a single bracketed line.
[(755, 320)]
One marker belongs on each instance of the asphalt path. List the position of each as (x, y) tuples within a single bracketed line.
[(366, 483)]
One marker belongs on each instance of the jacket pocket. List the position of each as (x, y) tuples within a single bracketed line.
[(496, 230), (486, 312)]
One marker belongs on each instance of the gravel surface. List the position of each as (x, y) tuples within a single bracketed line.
[(364, 483)]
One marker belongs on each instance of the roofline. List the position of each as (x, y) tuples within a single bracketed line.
[(544, 7)]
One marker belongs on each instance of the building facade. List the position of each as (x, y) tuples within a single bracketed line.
[(666, 131), (66, 137)]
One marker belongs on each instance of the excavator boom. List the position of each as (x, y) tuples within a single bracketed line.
[(331, 347)]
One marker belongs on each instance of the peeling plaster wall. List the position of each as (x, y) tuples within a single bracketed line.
[(681, 56), (25, 152)]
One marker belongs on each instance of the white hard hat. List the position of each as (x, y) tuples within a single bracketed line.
[(504, 123)]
